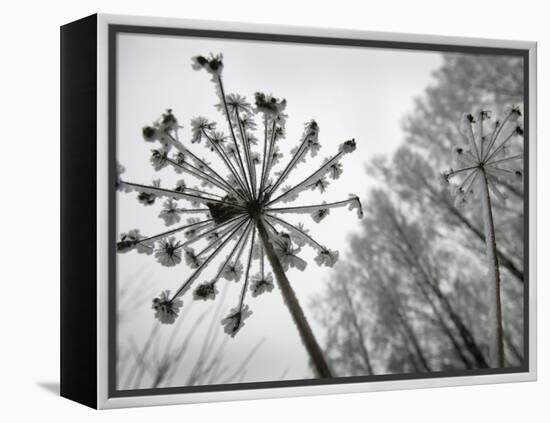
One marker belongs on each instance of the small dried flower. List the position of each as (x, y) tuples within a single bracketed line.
[(198, 126), (205, 291), (269, 105), (166, 309), (133, 240), (170, 212), (348, 146), (168, 253), (235, 103), (192, 260), (233, 271)]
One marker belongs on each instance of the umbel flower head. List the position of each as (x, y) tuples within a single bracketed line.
[(486, 155), (241, 199), (484, 164)]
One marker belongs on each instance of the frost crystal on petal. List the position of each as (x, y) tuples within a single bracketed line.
[(180, 186)]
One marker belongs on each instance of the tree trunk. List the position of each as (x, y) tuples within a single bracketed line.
[(444, 327), (306, 334), (414, 261), (496, 342), (361, 339)]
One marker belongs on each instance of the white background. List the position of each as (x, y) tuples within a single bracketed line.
[(29, 98)]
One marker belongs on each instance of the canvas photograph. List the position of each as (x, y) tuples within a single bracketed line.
[(296, 212)]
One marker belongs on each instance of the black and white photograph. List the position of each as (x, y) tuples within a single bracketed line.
[(305, 212)]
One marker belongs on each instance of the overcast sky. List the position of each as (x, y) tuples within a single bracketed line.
[(360, 93)]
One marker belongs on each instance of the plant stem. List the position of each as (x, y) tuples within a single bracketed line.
[(291, 301), (495, 308)]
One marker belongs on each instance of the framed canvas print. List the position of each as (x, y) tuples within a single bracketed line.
[(258, 211)]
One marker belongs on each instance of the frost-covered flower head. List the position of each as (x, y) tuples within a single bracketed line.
[(486, 157), (238, 213)]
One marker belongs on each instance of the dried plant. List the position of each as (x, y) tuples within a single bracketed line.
[(238, 208), (482, 166)]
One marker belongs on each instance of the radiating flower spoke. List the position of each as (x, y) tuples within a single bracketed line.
[(235, 320), (180, 165), (233, 269), (221, 236), (226, 160), (208, 290), (133, 239), (163, 192), (232, 131), (171, 212), (310, 142)]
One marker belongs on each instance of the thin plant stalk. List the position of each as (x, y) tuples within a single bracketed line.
[(496, 336), (304, 329)]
